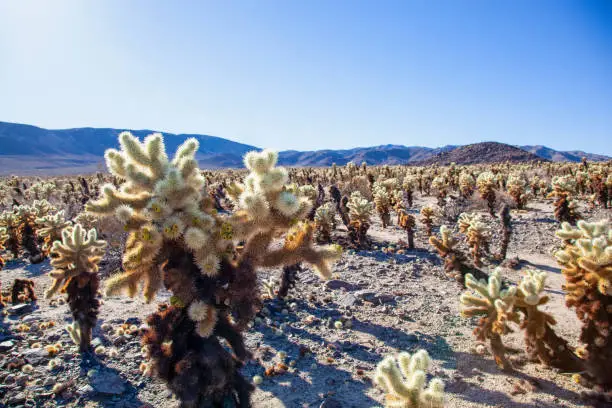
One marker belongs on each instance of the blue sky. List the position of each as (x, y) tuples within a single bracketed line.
[(314, 74)]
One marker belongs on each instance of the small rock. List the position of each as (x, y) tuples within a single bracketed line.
[(348, 300), (106, 382), (17, 399), (6, 345), (21, 309), (85, 390), (335, 284), (35, 356)]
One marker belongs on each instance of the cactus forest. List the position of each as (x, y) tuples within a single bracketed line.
[(158, 283)]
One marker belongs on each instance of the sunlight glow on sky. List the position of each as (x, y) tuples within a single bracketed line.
[(315, 74)]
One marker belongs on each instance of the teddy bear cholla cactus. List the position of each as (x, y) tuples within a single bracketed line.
[(476, 234), (440, 185), (427, 214), (541, 340), (586, 262), (52, 227), (409, 184), (565, 207), (27, 228), (360, 211), (383, 202), (487, 183), (75, 259), (467, 184), (178, 240), (488, 300), (324, 220), (407, 222), (403, 380), (516, 187), (455, 262)]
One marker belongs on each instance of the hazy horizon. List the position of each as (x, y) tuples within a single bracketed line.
[(316, 75)]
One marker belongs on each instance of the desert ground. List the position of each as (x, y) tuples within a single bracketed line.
[(387, 302)]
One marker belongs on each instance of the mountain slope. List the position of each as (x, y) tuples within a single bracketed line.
[(26, 149), (385, 154), (485, 152), (30, 150), (558, 156)]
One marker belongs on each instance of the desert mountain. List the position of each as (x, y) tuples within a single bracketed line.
[(28, 150)]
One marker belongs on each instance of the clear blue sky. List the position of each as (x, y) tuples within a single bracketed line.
[(314, 74)]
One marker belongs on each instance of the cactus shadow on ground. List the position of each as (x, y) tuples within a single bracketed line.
[(31, 270), (295, 391), (472, 365)]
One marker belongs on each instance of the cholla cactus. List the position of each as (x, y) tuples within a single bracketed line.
[(75, 259), (477, 235), (10, 222), (455, 263), (565, 208), (601, 187), (383, 202), (52, 227), (325, 222), (467, 184), (542, 342), (487, 183), (487, 299), (407, 222), (87, 220), (3, 238), (409, 184), (360, 211), (506, 231), (534, 184), (27, 228), (516, 188), (439, 184), (41, 190), (586, 262), (403, 380), (178, 240), (427, 214), (22, 291)]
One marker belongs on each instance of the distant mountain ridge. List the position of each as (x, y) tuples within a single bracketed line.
[(31, 150)]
